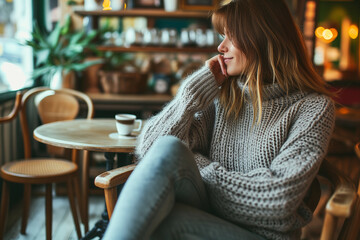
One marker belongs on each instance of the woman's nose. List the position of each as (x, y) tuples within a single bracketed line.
[(222, 48)]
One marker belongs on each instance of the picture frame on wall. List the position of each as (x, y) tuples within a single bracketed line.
[(147, 4), (199, 5)]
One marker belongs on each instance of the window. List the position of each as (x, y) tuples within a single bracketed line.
[(16, 60)]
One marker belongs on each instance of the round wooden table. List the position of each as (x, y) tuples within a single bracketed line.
[(85, 134), (92, 135)]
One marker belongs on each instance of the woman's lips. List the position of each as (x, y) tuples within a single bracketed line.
[(226, 60)]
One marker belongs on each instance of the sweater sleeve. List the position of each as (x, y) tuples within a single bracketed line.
[(189, 116), (268, 197)]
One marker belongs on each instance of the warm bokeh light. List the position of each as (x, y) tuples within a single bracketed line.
[(343, 111), (319, 31), (106, 5), (334, 33), (353, 31), (326, 34), (311, 5)]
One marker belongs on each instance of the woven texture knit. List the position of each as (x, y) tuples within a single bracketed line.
[(256, 174)]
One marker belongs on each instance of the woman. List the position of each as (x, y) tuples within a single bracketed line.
[(248, 133)]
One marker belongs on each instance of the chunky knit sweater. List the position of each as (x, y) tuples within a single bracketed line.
[(256, 174)]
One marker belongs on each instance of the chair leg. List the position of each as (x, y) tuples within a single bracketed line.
[(48, 211), (78, 197), (26, 207), (73, 207), (110, 199), (85, 189), (81, 193), (329, 227), (4, 208)]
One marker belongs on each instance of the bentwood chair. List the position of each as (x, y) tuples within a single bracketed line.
[(53, 105), (339, 207), (60, 107)]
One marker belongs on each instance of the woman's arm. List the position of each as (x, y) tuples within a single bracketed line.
[(189, 116)]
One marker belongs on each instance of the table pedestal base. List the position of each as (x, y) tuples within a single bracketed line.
[(100, 226), (99, 229)]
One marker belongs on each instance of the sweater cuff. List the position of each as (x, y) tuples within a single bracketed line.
[(201, 161), (200, 88), (208, 173)]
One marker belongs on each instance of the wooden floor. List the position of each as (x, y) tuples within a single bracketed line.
[(63, 224)]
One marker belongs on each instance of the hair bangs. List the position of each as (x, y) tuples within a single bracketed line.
[(218, 20)]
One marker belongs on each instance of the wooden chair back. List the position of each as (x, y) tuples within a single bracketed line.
[(56, 107), (52, 105)]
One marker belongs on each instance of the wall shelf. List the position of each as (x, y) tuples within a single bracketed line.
[(159, 49), (145, 13)]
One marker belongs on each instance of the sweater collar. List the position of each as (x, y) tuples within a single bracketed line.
[(270, 91)]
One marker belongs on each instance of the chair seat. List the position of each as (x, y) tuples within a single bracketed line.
[(38, 171)]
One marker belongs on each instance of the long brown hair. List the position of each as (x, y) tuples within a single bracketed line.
[(266, 33)]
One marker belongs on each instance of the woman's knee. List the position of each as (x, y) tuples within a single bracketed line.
[(167, 150), (170, 143)]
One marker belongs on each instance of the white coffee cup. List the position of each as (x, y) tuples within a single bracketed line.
[(125, 123)]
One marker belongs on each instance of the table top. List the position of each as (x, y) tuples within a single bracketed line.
[(85, 134)]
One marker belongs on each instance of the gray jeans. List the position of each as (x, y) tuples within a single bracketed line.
[(165, 198)]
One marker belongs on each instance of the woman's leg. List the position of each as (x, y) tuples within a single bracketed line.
[(167, 172), (186, 222)]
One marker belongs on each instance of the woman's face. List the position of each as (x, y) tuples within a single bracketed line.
[(234, 58)]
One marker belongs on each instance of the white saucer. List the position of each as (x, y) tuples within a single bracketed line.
[(115, 135)]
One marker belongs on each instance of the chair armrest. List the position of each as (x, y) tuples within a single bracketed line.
[(342, 200), (343, 197), (115, 177), (15, 110), (109, 181), (341, 203)]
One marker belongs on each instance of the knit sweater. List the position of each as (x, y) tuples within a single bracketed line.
[(256, 174)]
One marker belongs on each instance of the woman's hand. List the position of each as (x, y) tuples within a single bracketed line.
[(218, 68)]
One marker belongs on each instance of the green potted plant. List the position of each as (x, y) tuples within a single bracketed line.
[(62, 53)]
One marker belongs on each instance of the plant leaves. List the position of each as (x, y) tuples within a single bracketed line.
[(76, 37), (54, 36), (84, 65), (66, 27), (42, 56), (62, 49)]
